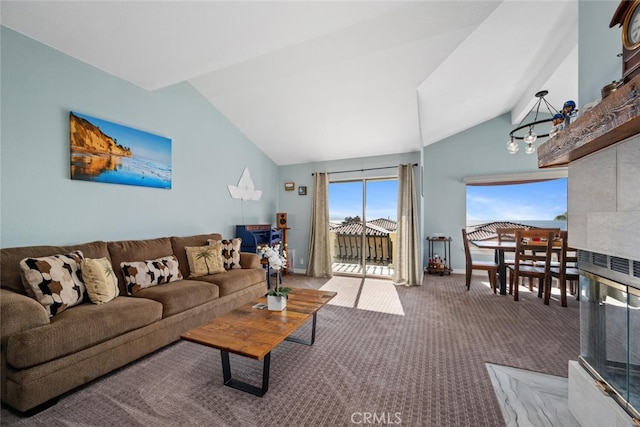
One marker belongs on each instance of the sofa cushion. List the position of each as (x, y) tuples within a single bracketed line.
[(80, 327), (235, 280), (182, 295), (10, 276), (54, 281), (137, 250), (204, 260), (230, 253), (179, 243), (145, 274), (100, 280)]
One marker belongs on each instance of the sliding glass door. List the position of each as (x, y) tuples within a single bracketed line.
[(363, 226)]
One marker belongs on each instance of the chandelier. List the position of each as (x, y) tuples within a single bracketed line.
[(529, 136)]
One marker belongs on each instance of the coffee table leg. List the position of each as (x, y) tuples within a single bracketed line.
[(240, 385), (303, 341)]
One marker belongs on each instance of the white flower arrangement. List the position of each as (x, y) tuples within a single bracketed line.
[(277, 260)]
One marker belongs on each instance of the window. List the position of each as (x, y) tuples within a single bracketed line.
[(533, 203)]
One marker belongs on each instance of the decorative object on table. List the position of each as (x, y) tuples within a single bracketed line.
[(245, 189), (289, 186), (627, 15), (302, 190), (530, 135), (276, 260), (102, 151)]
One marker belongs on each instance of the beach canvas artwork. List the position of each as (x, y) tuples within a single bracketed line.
[(102, 151)]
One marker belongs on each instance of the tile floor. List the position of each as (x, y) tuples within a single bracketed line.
[(530, 398)]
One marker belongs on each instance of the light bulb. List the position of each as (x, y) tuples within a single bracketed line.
[(530, 137), (530, 148), (512, 146)]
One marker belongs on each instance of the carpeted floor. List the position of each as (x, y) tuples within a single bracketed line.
[(423, 368)]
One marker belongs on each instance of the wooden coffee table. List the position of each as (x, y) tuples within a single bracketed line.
[(254, 332)]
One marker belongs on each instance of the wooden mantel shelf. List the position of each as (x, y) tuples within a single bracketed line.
[(615, 118)]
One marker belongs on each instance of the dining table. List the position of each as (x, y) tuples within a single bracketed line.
[(499, 249)]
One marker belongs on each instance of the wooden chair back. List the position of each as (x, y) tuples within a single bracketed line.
[(490, 267), (566, 271), (506, 234), (532, 259), (534, 246), (467, 251)]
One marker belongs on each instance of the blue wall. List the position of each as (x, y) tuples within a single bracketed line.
[(40, 204), (599, 45)]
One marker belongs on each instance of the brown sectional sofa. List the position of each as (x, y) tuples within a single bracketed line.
[(43, 357)]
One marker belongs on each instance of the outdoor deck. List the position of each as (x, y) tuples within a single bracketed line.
[(372, 269)]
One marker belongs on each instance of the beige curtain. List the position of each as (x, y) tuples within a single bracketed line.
[(407, 269), (319, 251)]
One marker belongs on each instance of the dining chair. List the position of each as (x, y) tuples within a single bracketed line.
[(506, 235), (566, 271), (532, 260), (509, 235), (470, 265)]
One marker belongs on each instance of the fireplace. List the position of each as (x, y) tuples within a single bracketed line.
[(602, 152), (610, 326)]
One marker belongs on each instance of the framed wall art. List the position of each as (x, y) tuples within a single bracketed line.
[(102, 151), (302, 190), (289, 186)]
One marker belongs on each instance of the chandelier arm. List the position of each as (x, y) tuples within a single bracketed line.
[(536, 105), (537, 122), (550, 107)]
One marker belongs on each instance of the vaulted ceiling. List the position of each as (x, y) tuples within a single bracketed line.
[(313, 81)]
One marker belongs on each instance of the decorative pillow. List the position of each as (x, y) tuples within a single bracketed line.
[(205, 260), (54, 281), (100, 280), (145, 274), (230, 253)]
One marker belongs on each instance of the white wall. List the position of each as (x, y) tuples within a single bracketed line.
[(40, 204)]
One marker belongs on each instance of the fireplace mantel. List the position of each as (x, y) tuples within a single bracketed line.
[(614, 119)]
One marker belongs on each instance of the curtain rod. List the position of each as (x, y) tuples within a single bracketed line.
[(367, 169)]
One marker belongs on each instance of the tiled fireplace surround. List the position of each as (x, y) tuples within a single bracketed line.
[(603, 157), (604, 213)]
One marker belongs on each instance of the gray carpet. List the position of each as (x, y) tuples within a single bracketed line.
[(426, 368)]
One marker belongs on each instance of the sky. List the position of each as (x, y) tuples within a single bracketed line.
[(345, 199), (532, 201), (518, 202), (142, 144)]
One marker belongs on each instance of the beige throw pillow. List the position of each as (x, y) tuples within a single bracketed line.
[(204, 260), (100, 280), (54, 281)]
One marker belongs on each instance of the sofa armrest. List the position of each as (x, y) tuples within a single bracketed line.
[(250, 260), (19, 313)]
